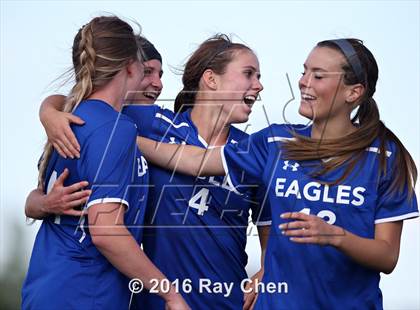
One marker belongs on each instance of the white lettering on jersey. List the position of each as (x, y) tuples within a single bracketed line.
[(357, 193), (141, 166), (314, 191), (199, 201), (293, 189)]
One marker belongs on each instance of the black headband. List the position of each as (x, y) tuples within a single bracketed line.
[(351, 56), (149, 50)]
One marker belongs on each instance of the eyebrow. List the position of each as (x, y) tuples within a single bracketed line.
[(251, 67), (315, 68)]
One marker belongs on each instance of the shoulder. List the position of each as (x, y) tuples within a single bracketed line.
[(280, 132), (103, 123)]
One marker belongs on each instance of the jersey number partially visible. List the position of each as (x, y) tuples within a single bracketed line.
[(327, 215), (199, 201)]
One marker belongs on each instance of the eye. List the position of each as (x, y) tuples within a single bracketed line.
[(318, 76), (147, 71), (248, 73)]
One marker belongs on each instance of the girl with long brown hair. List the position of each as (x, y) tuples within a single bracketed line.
[(339, 189)]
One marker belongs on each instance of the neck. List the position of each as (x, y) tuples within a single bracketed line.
[(113, 92), (209, 119), (332, 129)]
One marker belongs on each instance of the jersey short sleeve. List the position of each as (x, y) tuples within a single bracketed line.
[(246, 161), (143, 115), (261, 212), (107, 162), (397, 205)]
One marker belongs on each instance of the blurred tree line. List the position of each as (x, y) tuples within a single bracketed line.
[(13, 269)]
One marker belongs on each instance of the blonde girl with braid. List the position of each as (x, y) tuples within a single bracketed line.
[(86, 262), (339, 189)]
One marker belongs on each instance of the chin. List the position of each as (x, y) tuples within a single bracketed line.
[(306, 111), (237, 119)]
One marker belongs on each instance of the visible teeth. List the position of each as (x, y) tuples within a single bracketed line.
[(150, 95), (307, 97), (249, 100)]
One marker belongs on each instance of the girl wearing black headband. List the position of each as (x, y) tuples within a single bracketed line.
[(339, 189)]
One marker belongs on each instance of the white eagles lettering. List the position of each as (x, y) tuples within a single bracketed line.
[(314, 191)]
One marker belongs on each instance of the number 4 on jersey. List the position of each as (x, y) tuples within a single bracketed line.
[(199, 201)]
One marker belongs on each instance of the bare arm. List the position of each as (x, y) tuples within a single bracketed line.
[(114, 241), (186, 159), (250, 297), (380, 253), (60, 200), (57, 126)]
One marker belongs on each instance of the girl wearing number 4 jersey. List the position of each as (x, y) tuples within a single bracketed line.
[(197, 227), (339, 189)]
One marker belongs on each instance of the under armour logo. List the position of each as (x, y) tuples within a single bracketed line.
[(172, 141), (287, 165)]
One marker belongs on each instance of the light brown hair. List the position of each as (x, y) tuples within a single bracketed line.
[(101, 49)]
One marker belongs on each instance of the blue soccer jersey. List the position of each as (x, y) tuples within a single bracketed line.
[(66, 269), (196, 226), (309, 276)]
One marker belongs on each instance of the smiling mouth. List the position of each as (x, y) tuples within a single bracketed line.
[(307, 97), (151, 95), (250, 100)]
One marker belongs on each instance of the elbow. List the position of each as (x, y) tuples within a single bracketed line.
[(390, 265), (389, 269), (99, 240)]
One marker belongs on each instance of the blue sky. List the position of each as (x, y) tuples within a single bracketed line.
[(36, 37)]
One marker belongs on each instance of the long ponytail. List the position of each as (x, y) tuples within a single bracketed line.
[(101, 49)]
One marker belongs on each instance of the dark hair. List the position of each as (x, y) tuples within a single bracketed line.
[(352, 148), (101, 49), (215, 53), (149, 50)]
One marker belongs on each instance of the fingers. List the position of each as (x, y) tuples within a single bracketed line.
[(71, 143), (65, 144), (76, 187), (295, 225), (77, 198), (295, 216), (59, 150), (304, 240), (303, 232), (75, 119), (64, 149), (62, 177), (73, 212), (249, 299)]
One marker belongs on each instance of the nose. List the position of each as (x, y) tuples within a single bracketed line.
[(258, 85), (304, 80), (157, 83)]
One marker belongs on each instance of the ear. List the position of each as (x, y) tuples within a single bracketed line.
[(133, 67), (209, 78), (354, 93)]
